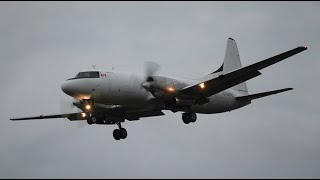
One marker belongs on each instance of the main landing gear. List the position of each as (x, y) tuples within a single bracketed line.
[(189, 117), (120, 133)]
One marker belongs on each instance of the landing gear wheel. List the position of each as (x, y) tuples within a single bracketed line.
[(91, 120), (117, 134), (120, 133), (185, 118), (192, 117), (94, 120), (123, 133)]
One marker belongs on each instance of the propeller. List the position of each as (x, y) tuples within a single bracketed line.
[(157, 86), (151, 69), (67, 106)]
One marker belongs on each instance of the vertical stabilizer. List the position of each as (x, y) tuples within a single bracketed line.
[(232, 62)]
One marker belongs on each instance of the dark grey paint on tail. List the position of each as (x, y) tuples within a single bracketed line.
[(218, 70)]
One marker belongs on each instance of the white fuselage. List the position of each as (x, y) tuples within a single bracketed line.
[(125, 89)]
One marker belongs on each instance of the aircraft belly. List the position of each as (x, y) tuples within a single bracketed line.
[(221, 102)]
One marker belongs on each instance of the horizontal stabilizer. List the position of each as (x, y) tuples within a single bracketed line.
[(260, 95)]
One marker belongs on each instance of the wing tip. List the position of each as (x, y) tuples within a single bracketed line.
[(285, 89), (289, 89), (303, 47)]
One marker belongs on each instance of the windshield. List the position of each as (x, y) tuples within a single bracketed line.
[(89, 74)]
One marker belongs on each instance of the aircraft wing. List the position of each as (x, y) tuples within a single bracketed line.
[(72, 115), (227, 80), (115, 111)]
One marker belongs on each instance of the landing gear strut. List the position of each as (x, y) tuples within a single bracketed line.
[(189, 117), (91, 119), (120, 133)]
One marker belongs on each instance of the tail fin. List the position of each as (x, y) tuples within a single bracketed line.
[(232, 62)]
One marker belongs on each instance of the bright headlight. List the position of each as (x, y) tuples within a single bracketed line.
[(88, 107)]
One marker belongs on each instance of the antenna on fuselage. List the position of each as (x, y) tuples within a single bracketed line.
[(94, 66)]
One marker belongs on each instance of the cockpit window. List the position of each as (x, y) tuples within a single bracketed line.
[(88, 74)]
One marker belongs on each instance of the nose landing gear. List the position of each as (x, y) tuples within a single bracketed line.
[(120, 133), (189, 117), (91, 119)]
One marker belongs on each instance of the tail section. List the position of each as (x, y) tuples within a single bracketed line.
[(260, 95), (231, 58), (231, 62)]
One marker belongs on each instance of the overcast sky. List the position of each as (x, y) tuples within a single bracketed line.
[(44, 43)]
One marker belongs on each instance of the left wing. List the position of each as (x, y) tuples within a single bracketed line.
[(70, 116), (230, 79)]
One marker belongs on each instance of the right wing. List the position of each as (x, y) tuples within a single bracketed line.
[(227, 80), (112, 111), (70, 116)]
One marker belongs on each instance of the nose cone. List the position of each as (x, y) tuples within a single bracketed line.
[(77, 89), (67, 88)]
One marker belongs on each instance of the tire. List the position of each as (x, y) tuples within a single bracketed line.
[(116, 134), (185, 118), (192, 117), (93, 120), (123, 133), (89, 121)]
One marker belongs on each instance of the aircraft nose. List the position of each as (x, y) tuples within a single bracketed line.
[(66, 88)]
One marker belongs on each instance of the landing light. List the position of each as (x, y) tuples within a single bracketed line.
[(202, 85), (88, 107), (170, 89), (83, 114)]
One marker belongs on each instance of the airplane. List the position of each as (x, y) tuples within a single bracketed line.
[(110, 97)]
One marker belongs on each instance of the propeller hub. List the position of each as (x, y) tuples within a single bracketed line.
[(146, 85)]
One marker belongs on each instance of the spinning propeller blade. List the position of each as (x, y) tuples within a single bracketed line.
[(67, 106), (150, 69)]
